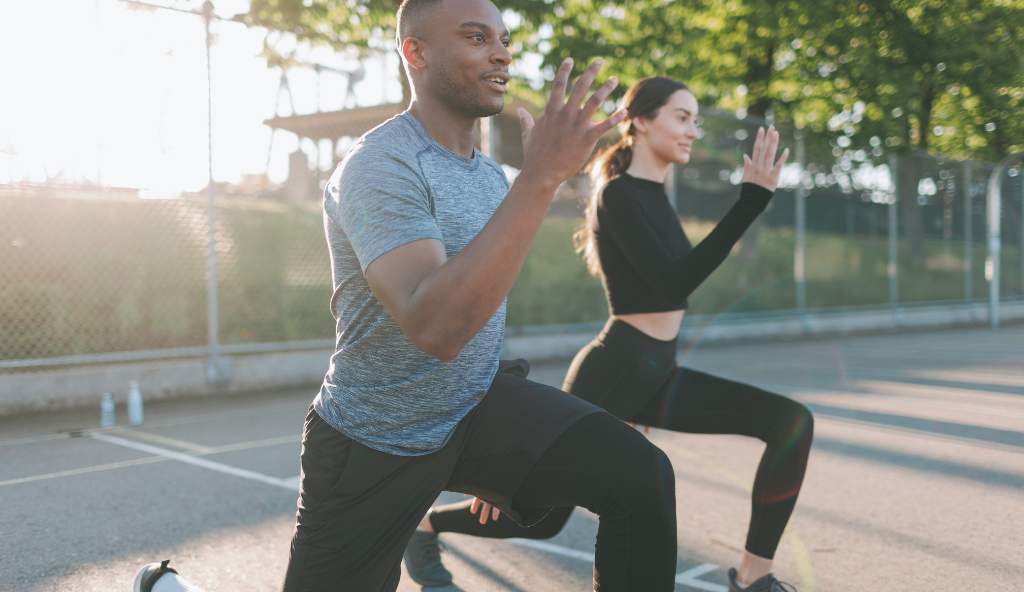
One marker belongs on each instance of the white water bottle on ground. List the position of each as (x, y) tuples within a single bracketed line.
[(134, 404), (107, 414)]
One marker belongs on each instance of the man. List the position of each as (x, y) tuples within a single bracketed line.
[(426, 240)]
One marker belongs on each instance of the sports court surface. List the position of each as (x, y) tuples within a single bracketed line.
[(916, 481)]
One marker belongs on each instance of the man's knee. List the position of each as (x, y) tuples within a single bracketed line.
[(646, 476)]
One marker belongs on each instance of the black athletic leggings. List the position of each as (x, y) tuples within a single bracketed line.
[(635, 377)]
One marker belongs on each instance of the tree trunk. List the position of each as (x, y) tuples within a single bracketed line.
[(910, 175), (759, 77)]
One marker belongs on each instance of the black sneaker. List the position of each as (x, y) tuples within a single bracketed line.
[(145, 580), (766, 583), (423, 560)]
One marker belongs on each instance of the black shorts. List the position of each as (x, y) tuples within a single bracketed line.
[(358, 507)]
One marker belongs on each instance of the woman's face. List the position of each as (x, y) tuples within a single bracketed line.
[(672, 132)]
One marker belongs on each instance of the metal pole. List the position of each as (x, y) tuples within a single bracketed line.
[(214, 370), (1020, 253), (968, 234), (993, 205), (893, 268), (800, 248)]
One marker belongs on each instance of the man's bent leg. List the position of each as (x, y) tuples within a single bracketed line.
[(357, 509), (611, 469), (585, 457)]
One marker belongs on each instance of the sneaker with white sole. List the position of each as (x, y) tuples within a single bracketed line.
[(157, 577), (766, 583)]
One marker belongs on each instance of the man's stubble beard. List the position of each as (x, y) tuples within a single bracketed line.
[(463, 100)]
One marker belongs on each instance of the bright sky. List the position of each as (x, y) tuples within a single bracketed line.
[(94, 89)]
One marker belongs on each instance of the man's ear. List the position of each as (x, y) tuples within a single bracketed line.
[(412, 52)]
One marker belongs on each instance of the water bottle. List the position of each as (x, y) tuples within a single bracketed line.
[(134, 404), (107, 417)]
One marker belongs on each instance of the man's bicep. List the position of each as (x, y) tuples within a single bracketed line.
[(395, 275)]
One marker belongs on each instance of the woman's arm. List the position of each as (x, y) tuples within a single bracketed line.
[(678, 276)]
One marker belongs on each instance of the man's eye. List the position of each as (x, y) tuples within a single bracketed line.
[(478, 37), (506, 42)]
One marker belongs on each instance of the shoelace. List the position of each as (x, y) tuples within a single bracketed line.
[(780, 586)]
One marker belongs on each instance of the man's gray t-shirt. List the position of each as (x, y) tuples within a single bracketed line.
[(396, 186)]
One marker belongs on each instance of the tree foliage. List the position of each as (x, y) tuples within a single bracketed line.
[(945, 75)]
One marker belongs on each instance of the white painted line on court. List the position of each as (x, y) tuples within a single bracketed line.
[(249, 445), (553, 549), (195, 461), (689, 578), (165, 440), (686, 578), (83, 471), (32, 439)]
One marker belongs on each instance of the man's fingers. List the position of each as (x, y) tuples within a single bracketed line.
[(495, 512), (583, 84), (599, 97), (747, 163), (525, 122), (557, 97), (474, 506), (599, 128)]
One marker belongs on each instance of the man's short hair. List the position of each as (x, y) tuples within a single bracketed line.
[(411, 15)]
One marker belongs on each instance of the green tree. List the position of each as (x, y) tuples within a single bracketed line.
[(916, 75)]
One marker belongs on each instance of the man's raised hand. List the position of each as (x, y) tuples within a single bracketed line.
[(559, 143)]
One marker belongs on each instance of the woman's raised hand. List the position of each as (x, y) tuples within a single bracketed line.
[(761, 167)]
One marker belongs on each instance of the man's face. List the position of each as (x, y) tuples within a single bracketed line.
[(467, 57)]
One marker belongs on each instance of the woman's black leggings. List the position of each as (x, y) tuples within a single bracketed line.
[(636, 378)]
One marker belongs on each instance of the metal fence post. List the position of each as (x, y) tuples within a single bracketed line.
[(993, 204), (968, 233), (800, 246), (215, 371), (893, 267)]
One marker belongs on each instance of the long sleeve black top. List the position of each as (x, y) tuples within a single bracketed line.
[(647, 262)]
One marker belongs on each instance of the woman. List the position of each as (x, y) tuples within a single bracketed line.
[(633, 242)]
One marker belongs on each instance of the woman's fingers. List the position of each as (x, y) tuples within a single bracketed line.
[(773, 147), (781, 163), (756, 155)]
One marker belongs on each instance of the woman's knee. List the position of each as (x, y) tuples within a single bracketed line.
[(804, 423), (794, 427)]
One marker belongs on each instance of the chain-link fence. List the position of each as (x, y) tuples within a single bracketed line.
[(106, 276), (847, 229), (90, 274)]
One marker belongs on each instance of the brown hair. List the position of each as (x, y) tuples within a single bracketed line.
[(643, 99)]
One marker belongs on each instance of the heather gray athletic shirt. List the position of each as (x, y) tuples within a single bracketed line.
[(396, 186)]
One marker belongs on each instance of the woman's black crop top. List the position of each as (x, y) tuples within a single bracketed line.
[(647, 263)]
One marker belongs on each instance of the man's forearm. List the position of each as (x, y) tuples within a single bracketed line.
[(454, 302)]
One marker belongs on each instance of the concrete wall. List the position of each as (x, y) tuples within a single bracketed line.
[(82, 386)]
